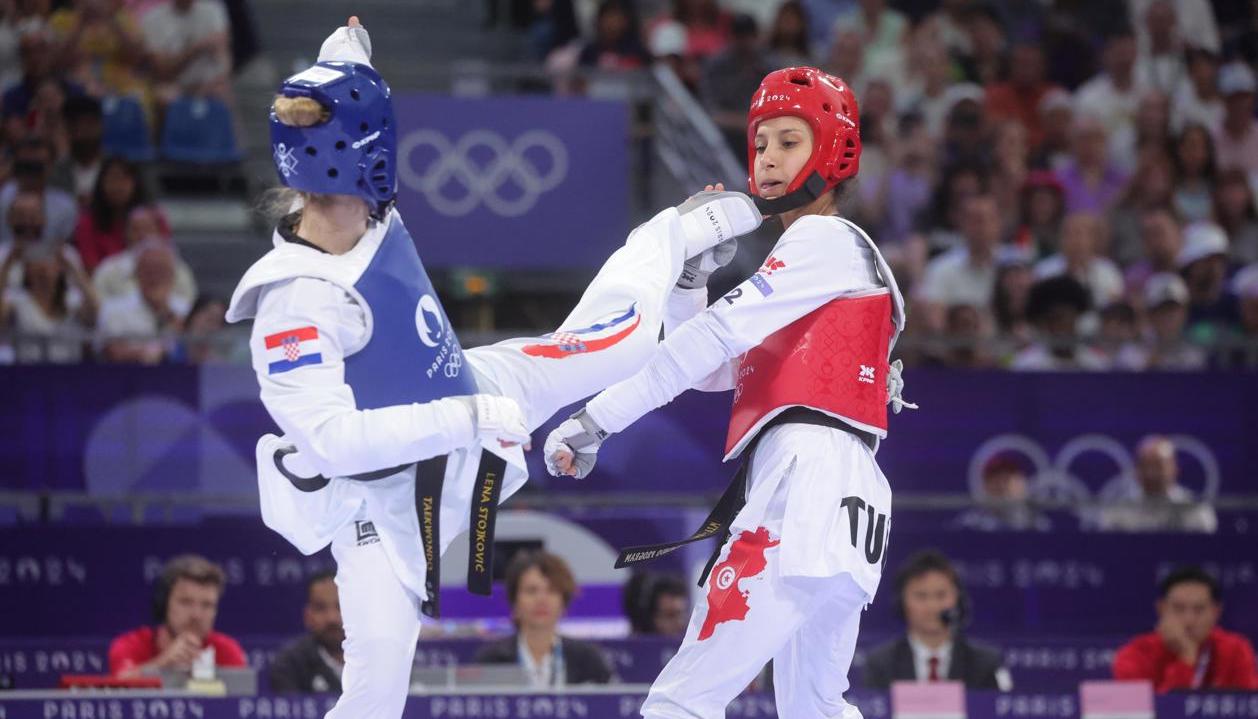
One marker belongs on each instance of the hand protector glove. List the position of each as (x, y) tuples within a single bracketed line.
[(497, 419), (578, 437)]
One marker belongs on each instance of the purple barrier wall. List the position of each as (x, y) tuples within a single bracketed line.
[(115, 430), (94, 581)]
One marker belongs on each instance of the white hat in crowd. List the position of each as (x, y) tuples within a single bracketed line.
[(1165, 287), (1245, 283), (668, 38), (962, 92), (1055, 99), (1202, 240), (1236, 77)]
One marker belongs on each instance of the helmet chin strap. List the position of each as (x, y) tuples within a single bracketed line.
[(806, 193), (382, 209)]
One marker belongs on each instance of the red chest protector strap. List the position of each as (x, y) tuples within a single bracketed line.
[(833, 360)]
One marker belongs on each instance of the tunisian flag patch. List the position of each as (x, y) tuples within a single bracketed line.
[(728, 602), (291, 349)]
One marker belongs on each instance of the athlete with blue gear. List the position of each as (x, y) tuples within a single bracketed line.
[(395, 439)]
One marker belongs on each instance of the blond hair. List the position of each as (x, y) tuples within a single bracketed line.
[(299, 111), (275, 203)]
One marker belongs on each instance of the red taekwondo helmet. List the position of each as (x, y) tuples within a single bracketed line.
[(828, 105)]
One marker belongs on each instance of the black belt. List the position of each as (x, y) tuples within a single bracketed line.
[(735, 495), (430, 475), (480, 550), (429, 478)]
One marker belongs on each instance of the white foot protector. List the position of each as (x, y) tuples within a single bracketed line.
[(710, 218)]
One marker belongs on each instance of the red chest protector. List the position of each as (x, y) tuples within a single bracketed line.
[(834, 360)]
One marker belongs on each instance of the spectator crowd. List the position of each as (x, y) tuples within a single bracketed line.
[(88, 267), (1059, 185)]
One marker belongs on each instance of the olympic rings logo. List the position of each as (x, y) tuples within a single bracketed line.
[(454, 364), (511, 165), (1054, 480)]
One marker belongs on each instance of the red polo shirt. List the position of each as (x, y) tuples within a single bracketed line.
[(140, 647), (1230, 665), (1004, 101)]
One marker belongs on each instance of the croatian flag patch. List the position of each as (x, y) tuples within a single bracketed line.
[(599, 336), (293, 348)]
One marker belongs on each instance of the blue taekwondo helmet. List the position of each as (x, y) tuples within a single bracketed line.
[(355, 151)]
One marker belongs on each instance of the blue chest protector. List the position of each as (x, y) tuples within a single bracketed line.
[(413, 354)]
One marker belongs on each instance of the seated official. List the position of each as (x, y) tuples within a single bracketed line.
[(1188, 650), (1005, 504), (1156, 501), (539, 587), (934, 607), (185, 603), (314, 662), (656, 605)]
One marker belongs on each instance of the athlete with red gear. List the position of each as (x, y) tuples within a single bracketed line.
[(805, 344)]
